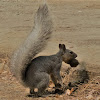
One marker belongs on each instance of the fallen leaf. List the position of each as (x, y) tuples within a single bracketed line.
[(69, 92)]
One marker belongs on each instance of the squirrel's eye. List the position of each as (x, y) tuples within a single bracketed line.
[(71, 52)]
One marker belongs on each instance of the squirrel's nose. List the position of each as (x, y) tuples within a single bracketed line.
[(75, 55)]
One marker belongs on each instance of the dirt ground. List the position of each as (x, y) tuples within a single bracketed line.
[(76, 24)]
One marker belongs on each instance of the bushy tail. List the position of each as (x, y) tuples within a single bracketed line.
[(34, 43)]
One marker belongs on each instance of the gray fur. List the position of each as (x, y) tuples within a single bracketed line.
[(34, 43), (38, 71)]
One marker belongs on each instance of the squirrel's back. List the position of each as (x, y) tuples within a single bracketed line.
[(34, 43)]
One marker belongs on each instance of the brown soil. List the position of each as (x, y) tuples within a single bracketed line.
[(76, 24)]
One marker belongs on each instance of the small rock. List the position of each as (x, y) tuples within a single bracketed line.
[(36, 90)]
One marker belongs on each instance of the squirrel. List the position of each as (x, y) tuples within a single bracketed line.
[(34, 72)]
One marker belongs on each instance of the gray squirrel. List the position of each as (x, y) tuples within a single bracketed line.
[(34, 72)]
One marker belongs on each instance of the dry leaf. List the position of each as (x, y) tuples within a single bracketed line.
[(69, 92)]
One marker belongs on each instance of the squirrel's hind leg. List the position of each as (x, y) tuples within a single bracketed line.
[(42, 84)]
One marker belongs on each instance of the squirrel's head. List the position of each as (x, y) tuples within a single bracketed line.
[(68, 56)]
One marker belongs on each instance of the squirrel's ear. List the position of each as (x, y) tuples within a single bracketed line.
[(60, 46), (63, 47)]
